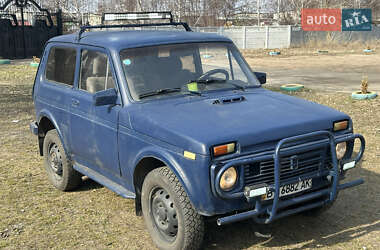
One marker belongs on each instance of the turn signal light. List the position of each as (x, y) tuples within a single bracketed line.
[(340, 125), (224, 149)]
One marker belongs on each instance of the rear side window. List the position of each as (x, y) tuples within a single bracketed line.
[(61, 65)]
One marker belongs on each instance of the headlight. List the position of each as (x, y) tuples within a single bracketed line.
[(228, 179), (341, 150)]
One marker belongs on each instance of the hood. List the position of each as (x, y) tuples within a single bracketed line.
[(252, 117)]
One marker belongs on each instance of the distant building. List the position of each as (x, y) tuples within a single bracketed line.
[(248, 19)]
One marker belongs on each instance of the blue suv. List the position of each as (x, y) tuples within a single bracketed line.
[(180, 123)]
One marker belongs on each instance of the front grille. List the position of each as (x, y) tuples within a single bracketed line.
[(263, 172)]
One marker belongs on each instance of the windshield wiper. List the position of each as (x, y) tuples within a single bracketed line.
[(159, 92), (208, 81), (185, 91), (168, 90), (238, 86)]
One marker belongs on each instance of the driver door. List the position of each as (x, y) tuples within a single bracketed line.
[(94, 128)]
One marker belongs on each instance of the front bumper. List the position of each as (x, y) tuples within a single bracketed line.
[(266, 212)]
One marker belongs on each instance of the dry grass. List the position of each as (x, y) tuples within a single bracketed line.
[(35, 215), (17, 74), (332, 43)]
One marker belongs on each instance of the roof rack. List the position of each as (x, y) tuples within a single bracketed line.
[(135, 16), (119, 16)]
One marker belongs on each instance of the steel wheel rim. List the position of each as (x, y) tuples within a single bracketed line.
[(55, 160), (163, 213)]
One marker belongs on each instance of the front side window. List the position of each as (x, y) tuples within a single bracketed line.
[(95, 73), (157, 71), (61, 65)]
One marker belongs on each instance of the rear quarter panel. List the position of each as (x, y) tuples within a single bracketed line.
[(52, 100)]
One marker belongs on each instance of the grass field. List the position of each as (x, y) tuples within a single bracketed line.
[(36, 216)]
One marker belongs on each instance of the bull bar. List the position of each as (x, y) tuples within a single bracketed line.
[(272, 209)]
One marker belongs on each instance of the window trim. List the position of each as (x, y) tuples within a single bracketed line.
[(112, 69), (197, 60), (60, 46)]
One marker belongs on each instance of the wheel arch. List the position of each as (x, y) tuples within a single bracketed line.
[(152, 159), (47, 122)]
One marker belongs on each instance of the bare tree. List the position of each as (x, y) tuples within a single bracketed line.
[(205, 12)]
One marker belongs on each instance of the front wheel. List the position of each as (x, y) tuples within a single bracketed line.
[(171, 220)]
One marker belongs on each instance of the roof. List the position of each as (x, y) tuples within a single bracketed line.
[(130, 39)]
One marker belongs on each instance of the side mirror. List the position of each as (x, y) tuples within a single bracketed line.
[(262, 77), (105, 97)]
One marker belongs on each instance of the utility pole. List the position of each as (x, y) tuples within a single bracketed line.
[(258, 12), (278, 12), (137, 5), (356, 4), (179, 11)]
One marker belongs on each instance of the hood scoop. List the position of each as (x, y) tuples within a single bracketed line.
[(228, 100)]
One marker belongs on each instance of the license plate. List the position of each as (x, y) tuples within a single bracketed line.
[(290, 189)]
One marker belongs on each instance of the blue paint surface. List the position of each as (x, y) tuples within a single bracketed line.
[(117, 40)]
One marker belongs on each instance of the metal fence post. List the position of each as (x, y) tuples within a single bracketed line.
[(266, 37), (23, 30), (59, 22), (289, 36), (244, 37)]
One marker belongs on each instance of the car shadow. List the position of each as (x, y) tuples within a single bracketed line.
[(88, 185), (354, 214)]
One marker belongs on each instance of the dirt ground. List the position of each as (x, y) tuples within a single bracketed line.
[(335, 71), (36, 216)]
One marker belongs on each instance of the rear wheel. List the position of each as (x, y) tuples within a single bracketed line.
[(171, 220), (57, 165)]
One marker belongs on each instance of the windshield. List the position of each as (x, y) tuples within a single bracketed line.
[(159, 71)]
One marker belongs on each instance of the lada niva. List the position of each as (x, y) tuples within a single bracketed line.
[(180, 123)]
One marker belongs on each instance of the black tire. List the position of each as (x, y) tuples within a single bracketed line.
[(57, 164), (163, 193)]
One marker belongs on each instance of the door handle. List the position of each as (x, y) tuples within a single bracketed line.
[(74, 102)]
